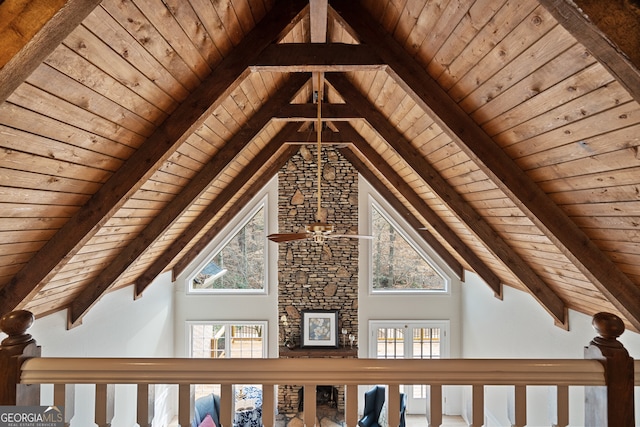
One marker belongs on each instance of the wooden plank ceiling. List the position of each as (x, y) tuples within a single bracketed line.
[(132, 131)]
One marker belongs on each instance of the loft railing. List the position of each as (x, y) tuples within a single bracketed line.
[(313, 372), (608, 379)]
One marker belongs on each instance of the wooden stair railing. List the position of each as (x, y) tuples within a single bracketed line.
[(608, 379)]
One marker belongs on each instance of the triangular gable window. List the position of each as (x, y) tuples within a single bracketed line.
[(239, 265), (397, 264)]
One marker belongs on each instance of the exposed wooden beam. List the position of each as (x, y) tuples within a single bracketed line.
[(623, 293), (226, 218), (441, 227), (318, 12), (189, 115), (37, 45), (160, 264), (365, 170), (567, 13), (178, 205), (318, 20), (310, 137), (20, 21), (304, 57), (309, 112), (539, 289)]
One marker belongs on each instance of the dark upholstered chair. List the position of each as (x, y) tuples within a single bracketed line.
[(373, 403), (403, 409), (209, 404)]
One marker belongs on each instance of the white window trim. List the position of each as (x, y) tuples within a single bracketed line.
[(228, 234), (444, 326), (427, 254), (263, 323)]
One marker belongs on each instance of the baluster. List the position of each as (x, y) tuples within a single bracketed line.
[(64, 395), (517, 406), (559, 406), (146, 400), (268, 405), (393, 408), (227, 398), (309, 405), (434, 407), (184, 405), (477, 405), (104, 404), (351, 405)]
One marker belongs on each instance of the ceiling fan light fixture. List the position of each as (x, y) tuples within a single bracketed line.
[(319, 230), (319, 227)]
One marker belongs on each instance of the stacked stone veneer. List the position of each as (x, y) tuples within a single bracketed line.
[(313, 275)]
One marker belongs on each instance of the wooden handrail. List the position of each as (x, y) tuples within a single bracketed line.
[(478, 373), (607, 372), (46, 370)]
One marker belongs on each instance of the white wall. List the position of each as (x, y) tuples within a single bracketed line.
[(211, 307), (117, 326), (528, 333), (413, 306), (224, 308)]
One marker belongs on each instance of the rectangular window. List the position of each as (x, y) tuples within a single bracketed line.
[(228, 340), (223, 340)]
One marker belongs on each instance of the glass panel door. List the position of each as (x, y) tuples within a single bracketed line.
[(390, 343), (410, 340)]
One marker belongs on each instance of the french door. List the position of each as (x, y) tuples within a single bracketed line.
[(410, 340)]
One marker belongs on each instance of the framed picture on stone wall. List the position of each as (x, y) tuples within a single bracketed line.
[(319, 328)]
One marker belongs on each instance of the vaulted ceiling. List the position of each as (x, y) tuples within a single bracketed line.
[(132, 131)]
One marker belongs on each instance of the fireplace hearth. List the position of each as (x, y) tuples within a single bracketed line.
[(326, 395)]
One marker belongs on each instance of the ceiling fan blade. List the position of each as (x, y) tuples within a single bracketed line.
[(353, 236), (286, 237)]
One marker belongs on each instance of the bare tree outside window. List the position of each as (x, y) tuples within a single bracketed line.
[(240, 264), (397, 265)]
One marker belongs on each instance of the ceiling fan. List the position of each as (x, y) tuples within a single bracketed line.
[(317, 231)]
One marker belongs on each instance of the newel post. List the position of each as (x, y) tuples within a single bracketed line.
[(610, 406), (14, 350)]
